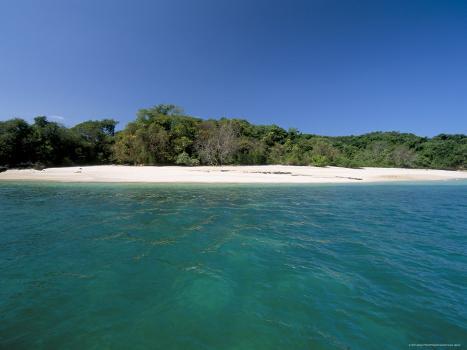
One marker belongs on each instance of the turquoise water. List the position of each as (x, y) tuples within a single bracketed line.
[(232, 267)]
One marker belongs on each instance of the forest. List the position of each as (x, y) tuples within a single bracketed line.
[(164, 135)]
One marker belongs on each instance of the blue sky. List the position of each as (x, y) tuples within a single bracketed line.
[(323, 66)]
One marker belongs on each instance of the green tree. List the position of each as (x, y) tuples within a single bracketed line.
[(163, 134), (96, 140), (16, 142)]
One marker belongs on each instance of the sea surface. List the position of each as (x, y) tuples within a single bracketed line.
[(114, 266)]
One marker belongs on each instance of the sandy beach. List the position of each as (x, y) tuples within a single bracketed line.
[(229, 174)]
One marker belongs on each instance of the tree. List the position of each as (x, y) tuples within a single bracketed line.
[(97, 138), (16, 144), (403, 157), (164, 135), (53, 143), (217, 143)]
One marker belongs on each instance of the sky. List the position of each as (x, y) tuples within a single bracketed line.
[(323, 66)]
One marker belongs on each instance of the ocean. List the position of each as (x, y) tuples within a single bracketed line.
[(133, 266)]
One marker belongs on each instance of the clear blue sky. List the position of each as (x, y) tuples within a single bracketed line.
[(323, 66)]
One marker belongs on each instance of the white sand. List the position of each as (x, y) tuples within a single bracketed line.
[(229, 174)]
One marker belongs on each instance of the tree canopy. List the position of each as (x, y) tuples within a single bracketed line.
[(164, 135)]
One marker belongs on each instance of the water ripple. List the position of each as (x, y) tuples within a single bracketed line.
[(232, 267)]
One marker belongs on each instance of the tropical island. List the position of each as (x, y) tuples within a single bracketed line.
[(312, 194), (164, 136)]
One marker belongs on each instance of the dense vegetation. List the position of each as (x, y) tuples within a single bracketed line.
[(164, 135)]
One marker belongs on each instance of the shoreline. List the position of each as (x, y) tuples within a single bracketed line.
[(234, 174)]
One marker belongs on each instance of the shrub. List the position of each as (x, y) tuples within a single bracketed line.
[(184, 159)]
